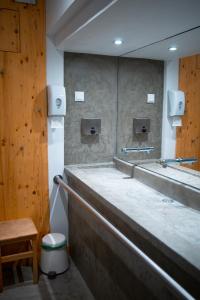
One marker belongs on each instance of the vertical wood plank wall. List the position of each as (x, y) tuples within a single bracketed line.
[(188, 136), (23, 116)]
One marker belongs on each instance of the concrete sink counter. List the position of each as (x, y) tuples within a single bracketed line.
[(189, 177), (165, 229), (180, 183)]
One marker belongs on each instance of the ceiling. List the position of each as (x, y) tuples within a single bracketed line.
[(187, 44), (145, 26)]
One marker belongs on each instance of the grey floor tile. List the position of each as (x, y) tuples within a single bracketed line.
[(68, 286)]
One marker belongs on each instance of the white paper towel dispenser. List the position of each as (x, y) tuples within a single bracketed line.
[(56, 100), (176, 106)]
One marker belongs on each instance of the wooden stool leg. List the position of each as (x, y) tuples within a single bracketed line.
[(1, 275), (35, 264)]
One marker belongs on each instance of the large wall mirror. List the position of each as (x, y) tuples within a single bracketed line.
[(127, 91), (154, 70)]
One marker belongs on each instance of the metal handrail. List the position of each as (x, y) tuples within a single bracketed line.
[(174, 286)]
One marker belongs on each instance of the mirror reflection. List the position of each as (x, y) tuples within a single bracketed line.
[(144, 91), (163, 89)]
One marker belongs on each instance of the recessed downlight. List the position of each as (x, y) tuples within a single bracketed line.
[(172, 48), (118, 42)]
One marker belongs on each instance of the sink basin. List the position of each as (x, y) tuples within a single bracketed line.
[(172, 182)]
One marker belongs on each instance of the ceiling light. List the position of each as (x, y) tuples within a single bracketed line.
[(118, 42), (173, 48)]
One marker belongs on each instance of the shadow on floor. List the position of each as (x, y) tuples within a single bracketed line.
[(68, 286)]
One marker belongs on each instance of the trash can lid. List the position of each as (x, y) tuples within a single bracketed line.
[(53, 240)]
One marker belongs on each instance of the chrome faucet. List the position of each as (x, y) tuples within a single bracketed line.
[(165, 162), (137, 149)]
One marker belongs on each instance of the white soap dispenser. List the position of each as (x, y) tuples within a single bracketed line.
[(176, 106)]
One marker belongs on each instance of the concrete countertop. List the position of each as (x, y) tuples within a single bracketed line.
[(174, 224)]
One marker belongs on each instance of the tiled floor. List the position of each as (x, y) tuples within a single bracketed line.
[(68, 286)]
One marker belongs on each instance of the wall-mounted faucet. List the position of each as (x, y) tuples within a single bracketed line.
[(137, 149), (165, 162)]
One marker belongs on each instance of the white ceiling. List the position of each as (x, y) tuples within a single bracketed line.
[(187, 44), (139, 23)]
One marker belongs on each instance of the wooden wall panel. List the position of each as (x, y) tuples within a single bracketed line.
[(23, 121), (9, 30), (188, 136), (198, 61)]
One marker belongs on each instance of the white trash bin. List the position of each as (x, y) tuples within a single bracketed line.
[(54, 258)]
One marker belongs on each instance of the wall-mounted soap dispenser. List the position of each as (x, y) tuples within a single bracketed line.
[(90, 127), (141, 125), (176, 106), (56, 100)]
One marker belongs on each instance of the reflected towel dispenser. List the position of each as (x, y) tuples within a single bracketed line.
[(141, 125), (90, 127), (56, 100), (176, 103), (176, 106)]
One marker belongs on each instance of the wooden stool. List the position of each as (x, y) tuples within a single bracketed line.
[(17, 231)]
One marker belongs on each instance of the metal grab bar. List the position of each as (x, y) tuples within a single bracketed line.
[(177, 289)]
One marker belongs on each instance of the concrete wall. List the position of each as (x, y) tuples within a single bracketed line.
[(136, 79), (168, 132), (97, 77), (115, 91), (106, 265)]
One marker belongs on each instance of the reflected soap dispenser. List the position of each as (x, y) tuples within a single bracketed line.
[(176, 106)]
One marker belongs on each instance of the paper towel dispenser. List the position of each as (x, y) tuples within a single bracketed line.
[(176, 103), (90, 127), (56, 100), (176, 106)]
